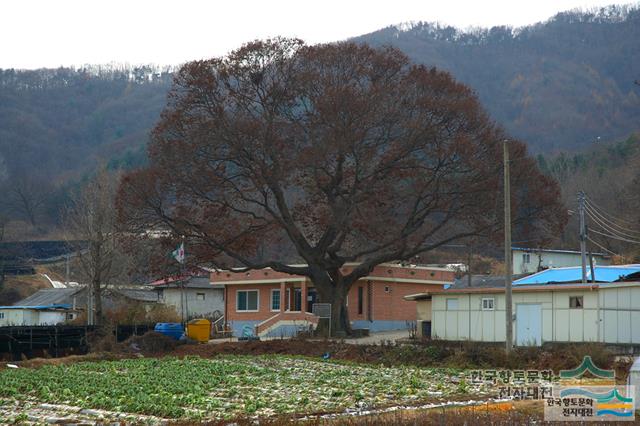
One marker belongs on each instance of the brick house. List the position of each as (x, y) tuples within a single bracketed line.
[(270, 303)]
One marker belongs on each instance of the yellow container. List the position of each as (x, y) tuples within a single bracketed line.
[(199, 330)]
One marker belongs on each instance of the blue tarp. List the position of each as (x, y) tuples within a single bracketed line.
[(574, 274), (39, 308)]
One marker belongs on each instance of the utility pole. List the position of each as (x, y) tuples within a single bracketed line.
[(507, 251), (583, 237), (469, 266), (67, 270)]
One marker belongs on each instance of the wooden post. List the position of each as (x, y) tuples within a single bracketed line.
[(282, 296), (303, 296)]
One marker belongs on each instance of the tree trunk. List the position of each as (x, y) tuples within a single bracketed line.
[(340, 326), (97, 301), (335, 293)]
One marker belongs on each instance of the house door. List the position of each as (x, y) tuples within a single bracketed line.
[(311, 299), (529, 325), (297, 299)]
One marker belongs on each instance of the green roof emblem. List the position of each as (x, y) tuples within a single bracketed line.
[(587, 365)]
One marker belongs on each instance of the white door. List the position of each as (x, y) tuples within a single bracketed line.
[(529, 325)]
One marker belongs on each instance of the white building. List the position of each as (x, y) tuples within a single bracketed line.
[(530, 260), (604, 311), (35, 315), (194, 296)]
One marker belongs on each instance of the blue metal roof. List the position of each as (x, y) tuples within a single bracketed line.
[(39, 308), (574, 274)]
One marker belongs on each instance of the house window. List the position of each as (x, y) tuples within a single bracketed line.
[(275, 300), (387, 289), (360, 300), (526, 258), (70, 316), (247, 300), (1, 315), (199, 296), (575, 302), (287, 300), (488, 304), (452, 304)]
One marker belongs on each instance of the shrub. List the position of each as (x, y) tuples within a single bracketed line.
[(151, 342)]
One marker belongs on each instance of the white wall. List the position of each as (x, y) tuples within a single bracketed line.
[(51, 317), (25, 317), (213, 300), (619, 317), (559, 322), (11, 317), (549, 259)]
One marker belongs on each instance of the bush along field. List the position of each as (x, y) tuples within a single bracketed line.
[(230, 386)]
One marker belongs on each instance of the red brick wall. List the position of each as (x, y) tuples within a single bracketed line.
[(386, 305), (377, 304), (264, 302)]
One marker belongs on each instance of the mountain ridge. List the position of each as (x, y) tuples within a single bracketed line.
[(558, 84)]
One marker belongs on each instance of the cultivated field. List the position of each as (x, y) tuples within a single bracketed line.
[(226, 387)]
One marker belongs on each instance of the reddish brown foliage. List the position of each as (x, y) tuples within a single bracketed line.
[(327, 154)]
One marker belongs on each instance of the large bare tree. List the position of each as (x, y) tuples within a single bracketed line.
[(91, 228), (27, 196), (330, 154)]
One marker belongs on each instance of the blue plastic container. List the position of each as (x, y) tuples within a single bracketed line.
[(171, 329)]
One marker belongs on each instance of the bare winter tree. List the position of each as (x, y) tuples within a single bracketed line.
[(27, 196), (90, 222), (333, 153)]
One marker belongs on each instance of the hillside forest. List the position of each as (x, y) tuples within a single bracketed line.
[(565, 86)]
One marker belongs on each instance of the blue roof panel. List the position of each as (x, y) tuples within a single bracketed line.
[(574, 274), (39, 308)]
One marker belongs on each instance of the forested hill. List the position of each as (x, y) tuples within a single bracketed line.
[(55, 124), (559, 85)]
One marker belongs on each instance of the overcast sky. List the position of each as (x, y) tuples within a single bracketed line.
[(50, 33)]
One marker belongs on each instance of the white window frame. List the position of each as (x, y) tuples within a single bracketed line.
[(453, 299), (488, 308), (1, 315), (200, 294), (526, 258), (257, 302), (273, 290)]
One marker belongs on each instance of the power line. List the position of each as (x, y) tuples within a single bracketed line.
[(603, 217), (609, 228), (609, 224), (594, 205), (615, 237), (602, 247)]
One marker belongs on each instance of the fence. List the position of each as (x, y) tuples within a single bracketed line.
[(18, 342)]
